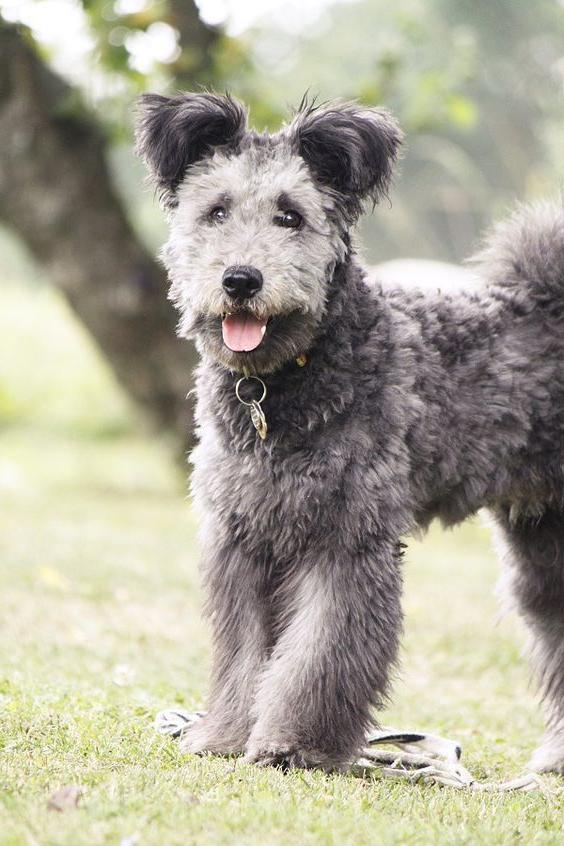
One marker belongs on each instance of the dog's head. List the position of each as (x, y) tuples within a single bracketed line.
[(258, 222)]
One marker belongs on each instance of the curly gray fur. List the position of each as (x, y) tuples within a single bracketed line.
[(412, 406)]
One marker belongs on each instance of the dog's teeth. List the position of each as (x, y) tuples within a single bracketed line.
[(263, 329)]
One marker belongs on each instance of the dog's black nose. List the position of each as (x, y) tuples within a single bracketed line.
[(242, 282)]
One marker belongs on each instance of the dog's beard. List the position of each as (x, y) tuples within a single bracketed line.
[(286, 336)]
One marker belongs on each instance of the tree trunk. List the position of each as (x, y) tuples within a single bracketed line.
[(194, 67), (56, 193)]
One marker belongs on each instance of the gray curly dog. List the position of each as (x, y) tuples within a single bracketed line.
[(384, 409)]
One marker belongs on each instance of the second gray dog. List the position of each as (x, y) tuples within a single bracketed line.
[(383, 410)]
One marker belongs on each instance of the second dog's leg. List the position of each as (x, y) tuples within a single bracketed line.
[(331, 662), (535, 547), (239, 615)]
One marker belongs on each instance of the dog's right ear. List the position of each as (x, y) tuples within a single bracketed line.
[(173, 133)]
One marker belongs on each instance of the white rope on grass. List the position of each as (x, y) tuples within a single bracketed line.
[(422, 757)]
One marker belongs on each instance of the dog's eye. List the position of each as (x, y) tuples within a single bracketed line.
[(218, 214), (289, 219)]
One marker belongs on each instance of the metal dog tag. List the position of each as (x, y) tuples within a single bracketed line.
[(257, 414), (259, 420)]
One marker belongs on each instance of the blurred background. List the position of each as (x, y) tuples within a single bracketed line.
[(98, 585), (477, 87)]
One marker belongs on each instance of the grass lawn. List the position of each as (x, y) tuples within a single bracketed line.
[(100, 628)]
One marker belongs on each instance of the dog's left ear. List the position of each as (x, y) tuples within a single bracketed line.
[(349, 148)]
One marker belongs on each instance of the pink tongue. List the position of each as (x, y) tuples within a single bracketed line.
[(242, 332)]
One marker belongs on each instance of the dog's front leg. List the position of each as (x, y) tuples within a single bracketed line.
[(237, 608), (331, 663)]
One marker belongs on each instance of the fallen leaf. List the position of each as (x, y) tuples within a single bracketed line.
[(65, 798), (52, 578)]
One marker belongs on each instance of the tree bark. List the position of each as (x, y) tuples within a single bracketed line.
[(56, 193), (195, 65)]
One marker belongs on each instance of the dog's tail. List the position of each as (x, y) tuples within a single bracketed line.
[(523, 256)]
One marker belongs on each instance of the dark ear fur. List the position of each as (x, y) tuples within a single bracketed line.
[(173, 133), (350, 148)]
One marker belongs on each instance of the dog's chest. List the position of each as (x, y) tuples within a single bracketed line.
[(280, 499), (260, 481)]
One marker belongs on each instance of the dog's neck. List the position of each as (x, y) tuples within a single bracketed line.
[(301, 400)]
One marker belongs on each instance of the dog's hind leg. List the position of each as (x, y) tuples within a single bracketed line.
[(535, 555)]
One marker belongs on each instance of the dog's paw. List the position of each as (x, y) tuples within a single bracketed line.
[(207, 736), (549, 758), (288, 758), (195, 739)]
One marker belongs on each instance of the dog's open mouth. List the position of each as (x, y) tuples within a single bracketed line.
[(242, 331)]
